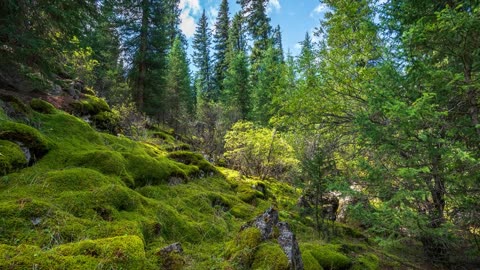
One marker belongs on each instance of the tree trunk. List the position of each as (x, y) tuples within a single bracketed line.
[(142, 56)]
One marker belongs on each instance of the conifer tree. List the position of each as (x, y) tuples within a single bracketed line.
[(220, 41), (202, 60), (179, 95)]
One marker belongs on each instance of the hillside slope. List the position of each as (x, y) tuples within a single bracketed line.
[(91, 200)]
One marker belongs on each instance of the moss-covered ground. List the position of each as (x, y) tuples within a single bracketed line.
[(91, 200)]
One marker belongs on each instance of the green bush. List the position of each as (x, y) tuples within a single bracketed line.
[(258, 151)]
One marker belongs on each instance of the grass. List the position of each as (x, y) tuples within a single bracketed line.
[(93, 200)]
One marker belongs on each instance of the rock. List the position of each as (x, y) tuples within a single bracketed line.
[(268, 223), (265, 223), (56, 90), (290, 247), (175, 247)]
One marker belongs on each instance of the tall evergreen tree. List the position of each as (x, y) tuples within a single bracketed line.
[(202, 60), (220, 40), (179, 94), (148, 28), (277, 43)]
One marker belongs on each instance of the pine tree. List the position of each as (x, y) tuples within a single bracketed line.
[(220, 40), (201, 59), (179, 95), (277, 43)]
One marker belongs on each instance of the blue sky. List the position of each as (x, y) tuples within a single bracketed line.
[(295, 17)]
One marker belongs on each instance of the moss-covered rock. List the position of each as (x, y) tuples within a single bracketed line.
[(328, 256), (241, 251), (42, 106), (190, 158), (107, 162), (14, 107), (28, 136), (90, 105), (270, 256), (367, 261), (107, 121), (11, 157), (150, 171), (309, 262), (74, 179)]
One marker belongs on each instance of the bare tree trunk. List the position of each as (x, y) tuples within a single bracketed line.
[(142, 56)]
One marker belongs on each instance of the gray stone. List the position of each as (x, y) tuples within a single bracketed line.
[(290, 247), (175, 247)]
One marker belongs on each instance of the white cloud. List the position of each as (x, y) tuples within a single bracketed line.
[(189, 9), (321, 8), (273, 5), (212, 14)]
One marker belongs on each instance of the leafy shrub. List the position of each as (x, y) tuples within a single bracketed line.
[(258, 151)]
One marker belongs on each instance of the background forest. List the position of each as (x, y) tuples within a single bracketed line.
[(380, 108)]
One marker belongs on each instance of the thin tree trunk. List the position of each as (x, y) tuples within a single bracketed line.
[(142, 65)]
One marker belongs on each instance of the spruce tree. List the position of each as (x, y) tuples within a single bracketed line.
[(201, 59), (220, 41)]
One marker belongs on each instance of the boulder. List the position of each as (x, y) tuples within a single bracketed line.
[(271, 228)]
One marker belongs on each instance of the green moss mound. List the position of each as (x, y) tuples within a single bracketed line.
[(328, 256), (150, 171), (124, 252), (75, 179), (270, 256), (26, 135), (42, 106), (195, 159), (241, 251), (11, 157), (90, 105), (367, 261), (107, 121), (309, 262), (107, 162)]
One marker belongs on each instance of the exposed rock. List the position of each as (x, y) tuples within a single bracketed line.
[(265, 223), (174, 181), (56, 90), (289, 244), (175, 247), (26, 151), (268, 223)]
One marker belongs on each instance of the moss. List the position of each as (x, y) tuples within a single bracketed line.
[(42, 106), (247, 192), (106, 162), (90, 105), (309, 262), (107, 121), (366, 262), (113, 253), (74, 179), (242, 250), (190, 158), (149, 171), (270, 256), (14, 107), (11, 157), (328, 256), (26, 135)]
